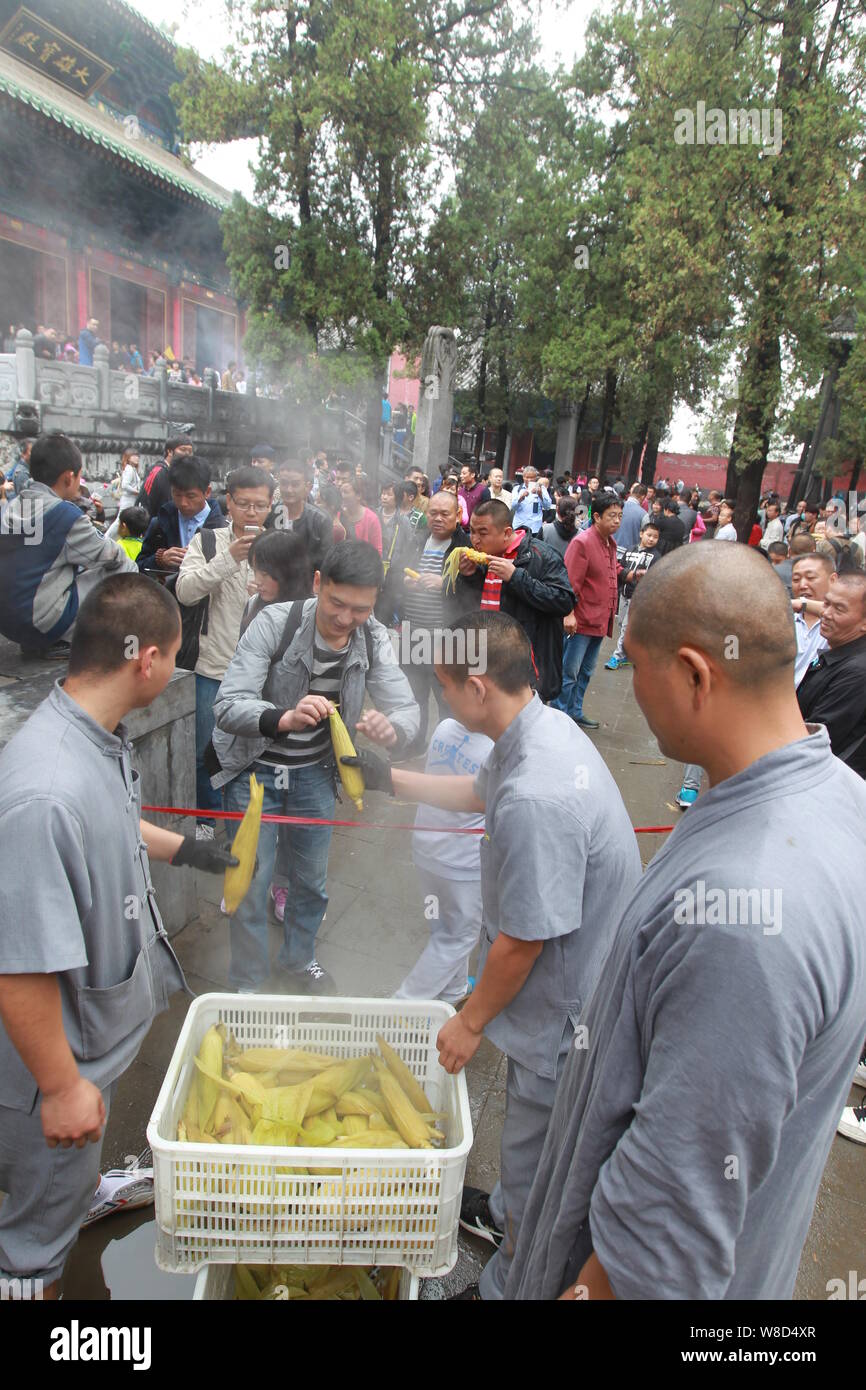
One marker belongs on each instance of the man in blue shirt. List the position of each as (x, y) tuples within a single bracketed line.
[(87, 341), (532, 501), (633, 515)]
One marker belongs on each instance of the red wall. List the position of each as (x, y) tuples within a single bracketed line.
[(708, 471)]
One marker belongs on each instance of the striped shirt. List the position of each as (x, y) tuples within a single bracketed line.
[(305, 747), (424, 606)]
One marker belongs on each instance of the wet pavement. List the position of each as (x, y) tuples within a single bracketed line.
[(373, 933)]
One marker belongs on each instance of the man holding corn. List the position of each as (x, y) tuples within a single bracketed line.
[(294, 664), (544, 935)]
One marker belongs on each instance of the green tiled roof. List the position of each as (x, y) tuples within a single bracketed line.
[(141, 19), (127, 150)]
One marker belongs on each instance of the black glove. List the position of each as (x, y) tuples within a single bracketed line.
[(376, 771), (203, 854)]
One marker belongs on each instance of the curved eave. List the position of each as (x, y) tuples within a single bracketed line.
[(115, 146), (129, 12)]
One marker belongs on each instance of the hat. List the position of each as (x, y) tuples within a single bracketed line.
[(262, 451)]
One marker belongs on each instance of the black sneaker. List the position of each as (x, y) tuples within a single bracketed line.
[(312, 980), (475, 1216)]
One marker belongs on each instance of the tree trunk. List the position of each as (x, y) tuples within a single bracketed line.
[(651, 453), (610, 384), (373, 432), (636, 452), (797, 480), (501, 441), (756, 412)]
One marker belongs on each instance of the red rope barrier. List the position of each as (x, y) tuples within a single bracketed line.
[(370, 825)]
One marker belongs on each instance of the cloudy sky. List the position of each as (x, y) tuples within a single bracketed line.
[(202, 25)]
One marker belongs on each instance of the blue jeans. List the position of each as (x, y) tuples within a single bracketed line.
[(579, 655), (301, 791), (205, 694)]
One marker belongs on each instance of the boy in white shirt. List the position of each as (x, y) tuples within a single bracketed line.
[(449, 874)]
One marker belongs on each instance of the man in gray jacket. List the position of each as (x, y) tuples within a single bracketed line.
[(294, 664)]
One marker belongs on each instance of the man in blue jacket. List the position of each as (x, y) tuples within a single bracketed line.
[(191, 509), (50, 553)]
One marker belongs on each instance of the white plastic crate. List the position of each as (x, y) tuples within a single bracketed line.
[(216, 1282), (231, 1204)]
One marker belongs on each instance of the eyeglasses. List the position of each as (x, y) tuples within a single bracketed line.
[(252, 506)]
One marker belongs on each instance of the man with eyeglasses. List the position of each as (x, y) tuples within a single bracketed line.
[(215, 569)]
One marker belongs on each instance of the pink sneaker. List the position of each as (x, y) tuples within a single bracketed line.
[(278, 898)]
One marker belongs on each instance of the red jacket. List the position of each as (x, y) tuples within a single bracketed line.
[(592, 570)]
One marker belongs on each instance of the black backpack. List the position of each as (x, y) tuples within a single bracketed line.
[(193, 616)]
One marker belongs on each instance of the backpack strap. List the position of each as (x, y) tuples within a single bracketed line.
[(208, 543), (293, 622)]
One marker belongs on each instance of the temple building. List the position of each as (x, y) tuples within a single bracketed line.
[(100, 217)]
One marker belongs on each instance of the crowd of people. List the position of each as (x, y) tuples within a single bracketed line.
[(642, 1053), (55, 344)]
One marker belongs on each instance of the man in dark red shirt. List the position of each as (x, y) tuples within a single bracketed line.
[(473, 491), (592, 572)]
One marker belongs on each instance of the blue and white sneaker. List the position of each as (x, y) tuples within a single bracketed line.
[(616, 662), (687, 797)]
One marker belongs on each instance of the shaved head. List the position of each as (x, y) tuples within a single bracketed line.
[(705, 596), (853, 580)]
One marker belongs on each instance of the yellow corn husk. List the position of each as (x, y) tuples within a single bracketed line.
[(221, 1119), (287, 1104), (356, 1124), (210, 1055), (275, 1134), (401, 1073), (351, 777), (392, 1285), (371, 1139), (329, 1085), (359, 1103), (410, 574), (244, 845), (279, 1059), (316, 1132), (405, 1116), (451, 568), (378, 1120)]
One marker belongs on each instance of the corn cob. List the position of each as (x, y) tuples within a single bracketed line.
[(351, 777), (238, 879), (210, 1055), (356, 1124), (451, 567), (410, 574), (398, 1069), (259, 1059), (406, 1118), (358, 1103)]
